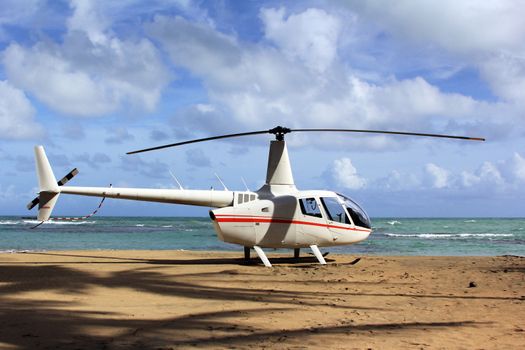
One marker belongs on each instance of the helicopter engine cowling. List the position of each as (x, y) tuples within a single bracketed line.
[(234, 226), (262, 222)]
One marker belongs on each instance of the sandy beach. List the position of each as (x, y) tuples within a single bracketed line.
[(174, 299)]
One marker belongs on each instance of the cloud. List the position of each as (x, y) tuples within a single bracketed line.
[(439, 177), (254, 86), (506, 76), (504, 173), (15, 12), (149, 169), (73, 131), (345, 174), (502, 176), (58, 160), (518, 167), (310, 36), (118, 135), (17, 114), (157, 135), (461, 26), (95, 161), (238, 151), (198, 158), (8, 192), (92, 72), (88, 19), (486, 35), (397, 181), (195, 45), (24, 163)]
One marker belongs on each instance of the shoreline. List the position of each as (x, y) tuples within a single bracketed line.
[(281, 252), (210, 299)]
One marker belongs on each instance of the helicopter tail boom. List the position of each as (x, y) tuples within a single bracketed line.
[(49, 190), (206, 198)]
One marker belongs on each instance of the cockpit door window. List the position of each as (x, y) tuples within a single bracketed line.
[(335, 210), (310, 207)]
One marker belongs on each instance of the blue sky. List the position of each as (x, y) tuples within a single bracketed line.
[(91, 80)]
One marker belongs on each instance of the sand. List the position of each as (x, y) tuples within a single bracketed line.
[(173, 299)]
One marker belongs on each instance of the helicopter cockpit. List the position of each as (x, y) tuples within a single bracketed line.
[(337, 209), (358, 215)]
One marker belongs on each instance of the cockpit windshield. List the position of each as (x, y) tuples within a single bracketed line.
[(358, 215)]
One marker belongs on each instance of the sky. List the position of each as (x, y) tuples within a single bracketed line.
[(92, 80)]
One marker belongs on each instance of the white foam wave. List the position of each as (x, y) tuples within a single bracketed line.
[(14, 251), (469, 221), (166, 226), (9, 222), (139, 225), (449, 235), (53, 222), (394, 222)]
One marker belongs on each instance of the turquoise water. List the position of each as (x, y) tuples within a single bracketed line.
[(391, 236)]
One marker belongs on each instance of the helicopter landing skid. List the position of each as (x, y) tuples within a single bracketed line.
[(262, 256), (315, 249), (317, 253)]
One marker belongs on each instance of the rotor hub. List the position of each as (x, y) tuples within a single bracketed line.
[(279, 132)]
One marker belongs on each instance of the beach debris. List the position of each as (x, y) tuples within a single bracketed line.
[(472, 284)]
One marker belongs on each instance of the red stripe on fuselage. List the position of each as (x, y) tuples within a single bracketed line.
[(265, 219)]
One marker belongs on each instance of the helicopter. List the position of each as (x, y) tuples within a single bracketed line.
[(278, 215)]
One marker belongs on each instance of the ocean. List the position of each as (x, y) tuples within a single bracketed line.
[(391, 236)]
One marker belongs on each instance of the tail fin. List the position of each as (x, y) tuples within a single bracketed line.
[(47, 184), (46, 178)]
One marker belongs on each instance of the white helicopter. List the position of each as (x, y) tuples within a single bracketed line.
[(278, 215)]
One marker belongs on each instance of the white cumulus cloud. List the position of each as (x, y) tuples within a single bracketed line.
[(345, 174), (92, 72), (17, 114), (257, 85), (519, 167), (439, 176), (487, 35), (310, 36)]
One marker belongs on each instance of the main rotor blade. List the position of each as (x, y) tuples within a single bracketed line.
[(200, 140), (280, 131), (394, 133)]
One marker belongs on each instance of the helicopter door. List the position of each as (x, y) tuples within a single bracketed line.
[(312, 229), (337, 218), (277, 229)]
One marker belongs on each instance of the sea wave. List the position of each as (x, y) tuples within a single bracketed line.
[(14, 251), (470, 221), (9, 222), (394, 222), (53, 222), (449, 235)]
